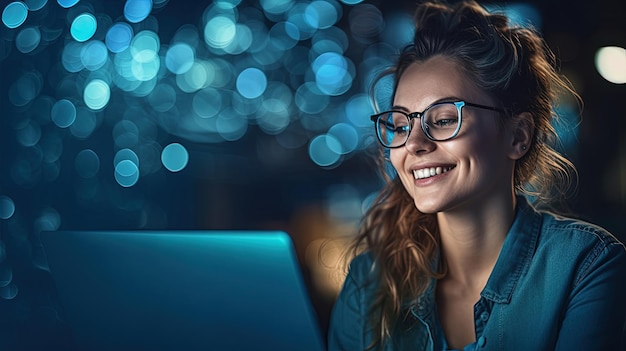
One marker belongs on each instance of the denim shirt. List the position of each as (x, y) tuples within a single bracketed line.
[(558, 284)]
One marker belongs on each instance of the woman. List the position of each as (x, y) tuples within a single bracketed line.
[(455, 257)]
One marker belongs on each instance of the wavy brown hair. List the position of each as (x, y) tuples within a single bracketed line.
[(517, 68)]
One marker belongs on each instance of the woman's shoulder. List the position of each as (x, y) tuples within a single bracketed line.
[(362, 269), (576, 230), (571, 241)]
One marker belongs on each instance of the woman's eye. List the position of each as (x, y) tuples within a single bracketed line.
[(402, 130), (446, 122)]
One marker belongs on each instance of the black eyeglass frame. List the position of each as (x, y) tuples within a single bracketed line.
[(410, 116)]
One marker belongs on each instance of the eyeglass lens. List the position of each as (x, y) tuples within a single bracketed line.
[(439, 122)]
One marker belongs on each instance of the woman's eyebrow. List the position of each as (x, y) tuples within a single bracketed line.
[(444, 99), (398, 107)]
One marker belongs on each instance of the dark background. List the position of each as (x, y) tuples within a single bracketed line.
[(253, 183)]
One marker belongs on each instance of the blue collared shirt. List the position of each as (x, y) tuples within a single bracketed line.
[(558, 284)]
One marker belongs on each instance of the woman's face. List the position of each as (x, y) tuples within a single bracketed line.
[(472, 168)]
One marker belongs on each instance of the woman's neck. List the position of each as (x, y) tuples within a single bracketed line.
[(471, 239)]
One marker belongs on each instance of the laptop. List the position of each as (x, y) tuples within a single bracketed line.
[(182, 290)]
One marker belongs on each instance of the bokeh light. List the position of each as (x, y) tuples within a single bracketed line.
[(67, 3), (14, 14), (119, 36), (175, 157), (136, 11), (179, 58), (251, 83), (9, 292), (7, 207), (126, 173), (28, 40), (63, 113), (611, 64), (97, 94), (219, 32), (93, 55), (87, 163), (323, 150), (83, 27), (6, 275)]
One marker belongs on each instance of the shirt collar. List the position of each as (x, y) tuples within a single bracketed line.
[(516, 253)]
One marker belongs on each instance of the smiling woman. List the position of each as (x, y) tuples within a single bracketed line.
[(456, 253)]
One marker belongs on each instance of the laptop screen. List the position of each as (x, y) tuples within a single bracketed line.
[(170, 290)]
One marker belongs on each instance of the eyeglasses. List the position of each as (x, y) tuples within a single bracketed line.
[(440, 122)]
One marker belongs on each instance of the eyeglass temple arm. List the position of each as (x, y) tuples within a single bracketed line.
[(485, 107)]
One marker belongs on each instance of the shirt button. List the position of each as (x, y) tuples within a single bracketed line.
[(484, 316), (481, 341)]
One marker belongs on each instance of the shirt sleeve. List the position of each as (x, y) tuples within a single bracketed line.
[(347, 320), (595, 316)]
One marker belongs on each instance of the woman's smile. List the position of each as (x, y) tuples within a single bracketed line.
[(429, 172)]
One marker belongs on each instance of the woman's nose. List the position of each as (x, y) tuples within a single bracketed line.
[(418, 141)]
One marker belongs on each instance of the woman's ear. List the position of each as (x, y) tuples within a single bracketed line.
[(522, 132)]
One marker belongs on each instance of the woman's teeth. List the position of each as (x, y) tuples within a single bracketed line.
[(429, 172)]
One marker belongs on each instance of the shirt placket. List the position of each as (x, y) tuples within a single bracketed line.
[(482, 314)]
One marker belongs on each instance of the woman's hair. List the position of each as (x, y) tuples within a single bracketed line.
[(514, 65)]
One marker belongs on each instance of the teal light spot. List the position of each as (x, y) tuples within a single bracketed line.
[(14, 14), (145, 61), (83, 27), (162, 98), (219, 32), (126, 173), (118, 37), (71, 57), (276, 7), (87, 163), (136, 11), (197, 77), (67, 3), (49, 219), (125, 134), (346, 135), (28, 39), (231, 126), (126, 154), (7, 207), (145, 65), (84, 124), (284, 35), (94, 55), (358, 109), (179, 58), (145, 40), (207, 103), (175, 157), (322, 150), (276, 117), (6, 275), (97, 94), (310, 99), (29, 135), (26, 88), (9, 292), (251, 83), (331, 73), (230, 4), (35, 5), (242, 40), (321, 14)]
